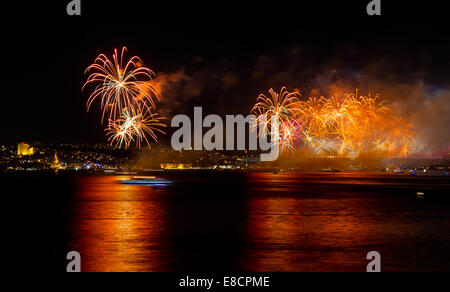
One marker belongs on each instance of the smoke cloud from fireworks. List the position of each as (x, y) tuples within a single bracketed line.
[(410, 88)]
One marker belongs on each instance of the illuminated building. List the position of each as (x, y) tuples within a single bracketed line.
[(175, 166), (24, 149)]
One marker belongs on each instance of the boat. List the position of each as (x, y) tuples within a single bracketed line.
[(147, 181)]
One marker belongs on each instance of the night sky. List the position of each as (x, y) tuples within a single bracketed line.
[(224, 55)]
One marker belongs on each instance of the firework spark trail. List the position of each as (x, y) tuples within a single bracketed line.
[(121, 85), (121, 132), (128, 129), (283, 106)]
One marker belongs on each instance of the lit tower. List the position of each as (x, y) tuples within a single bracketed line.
[(56, 164)]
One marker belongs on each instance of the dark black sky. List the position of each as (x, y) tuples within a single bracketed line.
[(47, 52)]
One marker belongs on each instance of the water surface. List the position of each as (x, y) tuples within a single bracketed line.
[(258, 222)]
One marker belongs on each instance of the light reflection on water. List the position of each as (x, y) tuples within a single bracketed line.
[(285, 222), (118, 227), (289, 234)]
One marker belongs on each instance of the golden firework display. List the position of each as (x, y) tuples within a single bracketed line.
[(127, 97)]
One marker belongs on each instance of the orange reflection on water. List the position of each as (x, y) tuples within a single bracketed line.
[(290, 232), (118, 227)]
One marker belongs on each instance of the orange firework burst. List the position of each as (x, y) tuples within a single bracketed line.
[(350, 125), (121, 85), (134, 128), (283, 107)]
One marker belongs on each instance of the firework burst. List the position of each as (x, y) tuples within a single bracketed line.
[(129, 129), (121, 84), (282, 106), (350, 125), (127, 96), (338, 126)]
